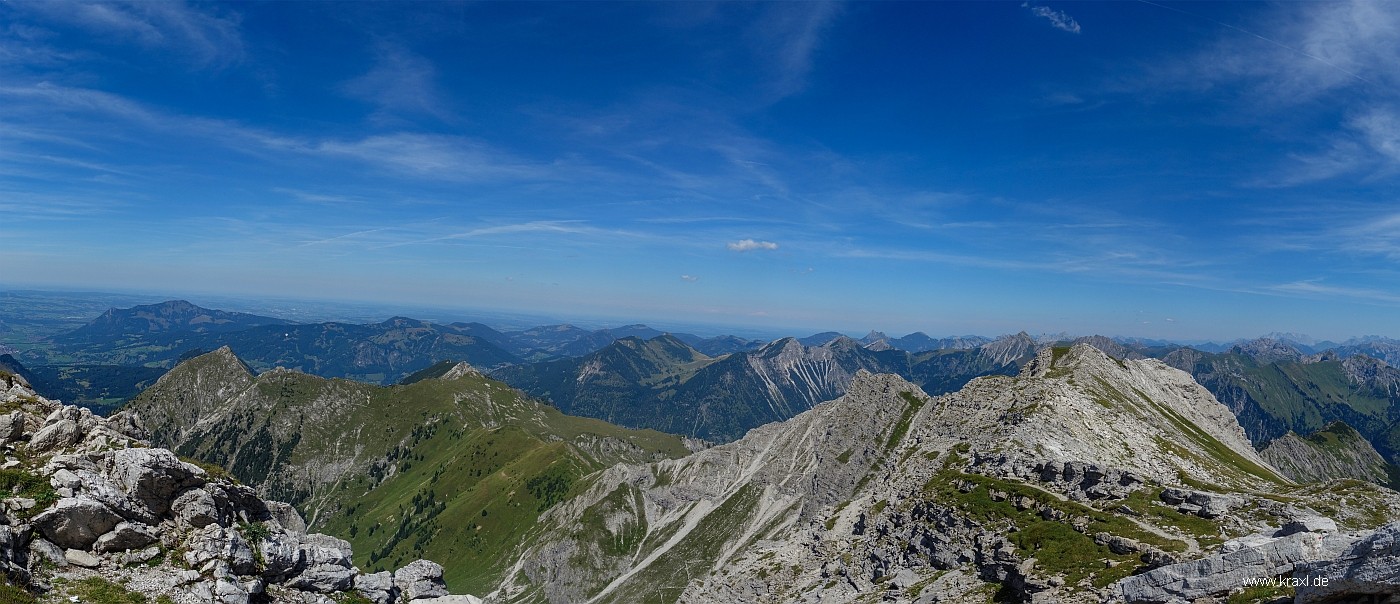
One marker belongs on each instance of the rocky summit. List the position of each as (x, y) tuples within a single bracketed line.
[(93, 511), (1082, 479)]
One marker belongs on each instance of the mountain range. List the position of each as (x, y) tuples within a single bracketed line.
[(1080, 478), (1017, 469), (711, 388), (663, 383)]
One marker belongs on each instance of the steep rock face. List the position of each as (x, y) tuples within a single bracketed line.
[(749, 490), (1138, 415), (1051, 484), (105, 509), (203, 383), (1268, 350), (1005, 350), (1337, 451), (658, 385)]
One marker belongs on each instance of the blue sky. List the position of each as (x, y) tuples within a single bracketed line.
[(1179, 170)]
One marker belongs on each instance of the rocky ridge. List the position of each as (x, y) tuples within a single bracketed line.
[(1337, 451), (91, 501), (1055, 485)]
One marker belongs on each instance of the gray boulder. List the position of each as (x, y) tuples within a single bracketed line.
[(325, 549), (195, 508), (328, 567), (76, 522), (1308, 524), (420, 579), (227, 591), (11, 427), (139, 556), (282, 555), (324, 578), (97, 487), (41, 549), (62, 433), (125, 536), (378, 587), (78, 557), (1368, 569), (128, 424), (153, 476), (216, 543), (287, 516)]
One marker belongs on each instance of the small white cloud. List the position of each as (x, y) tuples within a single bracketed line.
[(1058, 19), (690, 278), (749, 245)]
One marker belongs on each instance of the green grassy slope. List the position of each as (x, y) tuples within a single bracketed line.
[(1271, 399), (452, 470)]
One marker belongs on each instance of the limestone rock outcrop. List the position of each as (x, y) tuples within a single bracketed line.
[(106, 504), (1366, 570)]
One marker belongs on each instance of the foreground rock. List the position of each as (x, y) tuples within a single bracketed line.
[(1242, 561), (98, 502), (1367, 570)]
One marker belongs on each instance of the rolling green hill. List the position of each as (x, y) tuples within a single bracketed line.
[(454, 468)]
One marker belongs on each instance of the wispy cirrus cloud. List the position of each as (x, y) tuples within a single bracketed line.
[(1293, 54), (578, 229), (1318, 289), (1057, 18), (326, 199), (401, 83), (1320, 62), (789, 36), (749, 245), (202, 35), (440, 156)]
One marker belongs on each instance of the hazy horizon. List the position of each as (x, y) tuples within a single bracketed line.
[(350, 311)]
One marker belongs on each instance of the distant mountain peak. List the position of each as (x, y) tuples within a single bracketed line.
[(1268, 350), (460, 370), (168, 316), (1286, 336), (874, 336)]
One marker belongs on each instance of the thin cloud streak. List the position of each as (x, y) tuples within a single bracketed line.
[(203, 38), (1313, 289), (1057, 18)]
